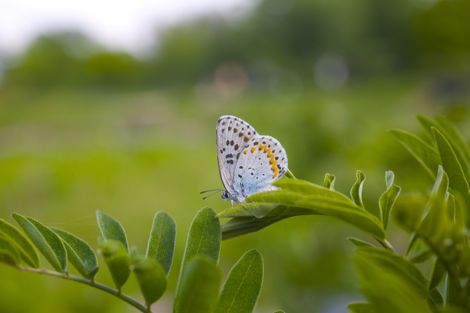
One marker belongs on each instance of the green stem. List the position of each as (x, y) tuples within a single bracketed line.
[(289, 174), (100, 286), (386, 244)]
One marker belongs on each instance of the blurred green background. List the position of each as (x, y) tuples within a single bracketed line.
[(84, 127)]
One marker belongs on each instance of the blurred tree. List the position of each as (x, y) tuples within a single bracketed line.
[(276, 39), (108, 69), (48, 61), (441, 35)]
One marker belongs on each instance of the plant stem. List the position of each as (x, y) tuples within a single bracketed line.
[(386, 244), (115, 292), (289, 174)]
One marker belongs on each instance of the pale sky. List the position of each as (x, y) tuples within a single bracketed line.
[(127, 24)]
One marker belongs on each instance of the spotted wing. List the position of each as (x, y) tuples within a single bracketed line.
[(233, 134), (261, 163)]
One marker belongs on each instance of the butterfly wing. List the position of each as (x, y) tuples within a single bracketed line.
[(233, 134), (262, 161)]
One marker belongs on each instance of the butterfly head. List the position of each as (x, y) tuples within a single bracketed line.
[(226, 195)]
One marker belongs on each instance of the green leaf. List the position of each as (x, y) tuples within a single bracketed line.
[(243, 285), (452, 166), (9, 254), (161, 243), (361, 307), (329, 181), (199, 286), (204, 239), (151, 278), (310, 189), (436, 298), (422, 256), (455, 138), (47, 242), (117, 260), (27, 252), (79, 253), (204, 236), (356, 189), (390, 283), (425, 154), (388, 198), (111, 229), (395, 264), (305, 199), (436, 222), (359, 242), (438, 272)]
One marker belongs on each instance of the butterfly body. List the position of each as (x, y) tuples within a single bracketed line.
[(248, 162)]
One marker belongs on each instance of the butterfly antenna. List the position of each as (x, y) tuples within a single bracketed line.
[(205, 194)]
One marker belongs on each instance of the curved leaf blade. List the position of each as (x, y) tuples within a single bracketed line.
[(151, 278), (241, 290), (359, 242), (199, 287), (388, 198), (329, 181), (425, 154), (111, 229), (455, 138), (452, 166), (47, 242), (79, 253), (117, 260), (27, 252), (436, 221), (9, 254), (357, 187), (161, 243)]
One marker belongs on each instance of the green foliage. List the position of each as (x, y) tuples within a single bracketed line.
[(151, 278), (117, 260), (200, 276), (329, 181), (388, 198), (27, 252), (424, 153), (243, 285), (161, 244), (111, 229), (8, 252), (79, 253), (203, 240), (47, 242), (199, 286), (298, 197), (389, 281), (356, 189)]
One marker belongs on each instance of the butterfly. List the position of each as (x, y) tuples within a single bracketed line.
[(248, 162)]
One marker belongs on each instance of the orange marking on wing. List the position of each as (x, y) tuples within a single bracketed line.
[(253, 149), (272, 160)]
